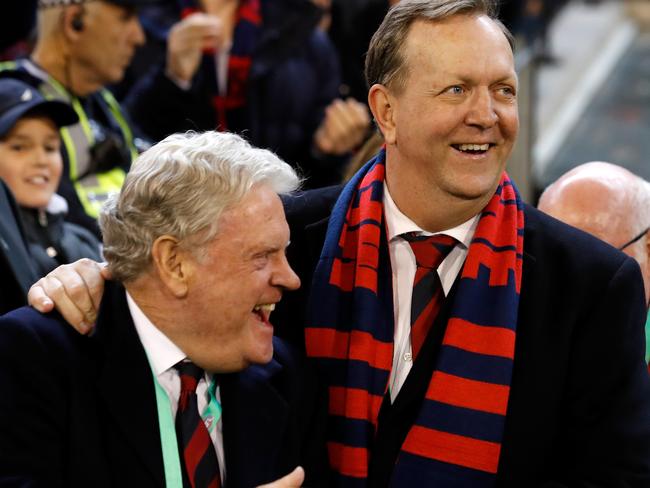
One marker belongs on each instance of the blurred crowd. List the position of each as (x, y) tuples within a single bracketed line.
[(285, 74)]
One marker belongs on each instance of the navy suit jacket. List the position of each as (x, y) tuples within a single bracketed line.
[(579, 407), (80, 411)]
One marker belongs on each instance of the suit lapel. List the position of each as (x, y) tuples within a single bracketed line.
[(126, 381), (254, 419)]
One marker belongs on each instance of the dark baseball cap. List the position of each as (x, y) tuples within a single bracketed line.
[(121, 3), (17, 99)]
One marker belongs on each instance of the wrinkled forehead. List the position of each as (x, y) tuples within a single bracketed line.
[(462, 44)]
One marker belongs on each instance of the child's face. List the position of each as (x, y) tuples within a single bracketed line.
[(30, 161)]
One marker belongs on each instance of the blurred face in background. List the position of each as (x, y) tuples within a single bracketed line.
[(106, 42), (30, 160)]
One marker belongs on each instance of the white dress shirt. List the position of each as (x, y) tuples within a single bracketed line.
[(163, 354), (403, 267)]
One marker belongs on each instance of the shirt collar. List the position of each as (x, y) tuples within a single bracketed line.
[(397, 223), (163, 354)]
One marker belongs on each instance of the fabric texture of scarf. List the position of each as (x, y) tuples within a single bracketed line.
[(456, 438), (248, 24)]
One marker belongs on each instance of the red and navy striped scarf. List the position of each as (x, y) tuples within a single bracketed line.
[(456, 438), (248, 23)]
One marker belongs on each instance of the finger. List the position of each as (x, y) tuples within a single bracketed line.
[(76, 292), (336, 123), (201, 25), (55, 289), (341, 113), (354, 114), (292, 480), (358, 112), (92, 275), (192, 40), (38, 299), (341, 132), (105, 271), (195, 30), (322, 140)]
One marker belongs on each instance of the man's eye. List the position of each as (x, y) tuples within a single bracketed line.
[(260, 260), (455, 90), (17, 147), (507, 91)]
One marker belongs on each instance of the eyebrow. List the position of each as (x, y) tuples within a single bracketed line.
[(27, 137)]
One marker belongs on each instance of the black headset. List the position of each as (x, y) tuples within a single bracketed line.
[(77, 23)]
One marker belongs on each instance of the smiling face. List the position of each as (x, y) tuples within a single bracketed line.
[(235, 286), (453, 123), (30, 161)]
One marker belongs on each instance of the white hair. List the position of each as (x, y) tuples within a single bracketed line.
[(640, 205), (180, 187)]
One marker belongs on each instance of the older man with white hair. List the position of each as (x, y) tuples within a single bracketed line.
[(611, 203), (182, 383)]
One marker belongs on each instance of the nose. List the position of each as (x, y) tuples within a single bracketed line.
[(41, 157), (481, 112), (138, 36), (284, 276)]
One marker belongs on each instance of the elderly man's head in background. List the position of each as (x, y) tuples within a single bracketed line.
[(87, 44), (609, 202), (198, 237)]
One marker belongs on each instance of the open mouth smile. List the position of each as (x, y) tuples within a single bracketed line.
[(474, 149), (263, 312)]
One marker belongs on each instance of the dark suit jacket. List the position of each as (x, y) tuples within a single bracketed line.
[(579, 408), (80, 412), (16, 271)]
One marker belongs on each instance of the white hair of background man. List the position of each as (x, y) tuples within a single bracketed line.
[(180, 187)]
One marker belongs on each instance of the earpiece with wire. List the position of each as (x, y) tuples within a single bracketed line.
[(77, 23)]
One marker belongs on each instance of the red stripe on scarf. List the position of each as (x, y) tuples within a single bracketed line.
[(489, 230), (348, 461), (363, 262), (373, 211), (360, 271), (342, 276), (495, 262), (493, 229), (250, 12), (496, 341), (452, 448), (463, 392), (353, 403), (357, 345), (369, 253), (187, 11)]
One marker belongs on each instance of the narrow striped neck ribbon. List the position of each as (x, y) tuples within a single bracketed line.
[(197, 453), (427, 298)]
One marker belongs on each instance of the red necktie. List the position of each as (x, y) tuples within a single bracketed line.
[(198, 457), (427, 297)]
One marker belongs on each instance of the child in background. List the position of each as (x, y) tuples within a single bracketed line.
[(31, 166)]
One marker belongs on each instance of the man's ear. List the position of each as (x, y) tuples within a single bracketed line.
[(382, 104), (72, 22), (174, 265)]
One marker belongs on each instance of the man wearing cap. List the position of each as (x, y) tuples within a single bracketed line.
[(83, 46)]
